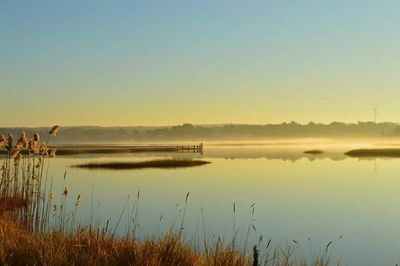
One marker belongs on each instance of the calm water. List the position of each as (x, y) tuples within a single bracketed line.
[(296, 197)]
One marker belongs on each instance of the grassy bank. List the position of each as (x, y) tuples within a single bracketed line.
[(166, 163), (19, 246)]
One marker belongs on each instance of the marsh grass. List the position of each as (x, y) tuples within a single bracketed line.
[(389, 152), (164, 163), (314, 152), (24, 194), (38, 228)]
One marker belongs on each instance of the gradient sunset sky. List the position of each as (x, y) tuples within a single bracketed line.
[(169, 62)]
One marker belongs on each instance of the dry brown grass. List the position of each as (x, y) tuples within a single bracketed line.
[(22, 247), (12, 203)]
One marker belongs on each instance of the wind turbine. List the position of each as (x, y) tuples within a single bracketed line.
[(375, 113)]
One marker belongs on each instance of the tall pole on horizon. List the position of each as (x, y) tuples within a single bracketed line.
[(375, 113)]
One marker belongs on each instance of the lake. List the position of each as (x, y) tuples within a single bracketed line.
[(296, 196)]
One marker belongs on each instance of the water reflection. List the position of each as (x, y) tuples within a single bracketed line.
[(296, 196), (288, 154)]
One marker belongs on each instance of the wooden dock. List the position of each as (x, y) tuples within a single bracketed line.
[(191, 148)]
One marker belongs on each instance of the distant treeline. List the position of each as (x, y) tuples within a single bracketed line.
[(90, 134)]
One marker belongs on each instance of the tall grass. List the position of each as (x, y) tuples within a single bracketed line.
[(24, 180), (37, 227)]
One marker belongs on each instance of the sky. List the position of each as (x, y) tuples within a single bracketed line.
[(127, 62)]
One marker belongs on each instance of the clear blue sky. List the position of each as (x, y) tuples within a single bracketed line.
[(168, 62)]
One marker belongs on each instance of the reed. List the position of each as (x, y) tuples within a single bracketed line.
[(24, 194)]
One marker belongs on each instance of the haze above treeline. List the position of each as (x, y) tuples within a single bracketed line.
[(225, 132)]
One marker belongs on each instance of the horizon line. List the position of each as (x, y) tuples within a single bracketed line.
[(209, 125)]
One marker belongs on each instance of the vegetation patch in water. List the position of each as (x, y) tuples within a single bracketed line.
[(314, 152), (166, 163), (390, 152)]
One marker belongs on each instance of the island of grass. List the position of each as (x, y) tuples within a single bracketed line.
[(165, 163), (390, 152), (314, 152)]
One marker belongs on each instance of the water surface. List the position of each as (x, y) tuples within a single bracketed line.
[(296, 196)]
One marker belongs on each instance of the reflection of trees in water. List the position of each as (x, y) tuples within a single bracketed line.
[(273, 155)]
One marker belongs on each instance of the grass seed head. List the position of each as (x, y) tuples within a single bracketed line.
[(36, 137), (53, 131), (14, 153), (53, 153), (65, 193), (10, 140)]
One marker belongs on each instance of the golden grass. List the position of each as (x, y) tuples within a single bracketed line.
[(84, 247), (165, 163), (12, 203)]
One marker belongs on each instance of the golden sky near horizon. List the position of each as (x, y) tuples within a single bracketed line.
[(99, 63)]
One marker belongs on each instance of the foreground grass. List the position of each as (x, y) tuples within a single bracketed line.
[(19, 246), (22, 247), (166, 163)]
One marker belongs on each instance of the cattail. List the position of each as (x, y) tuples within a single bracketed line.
[(54, 130), (65, 193), (28, 168), (55, 208), (36, 137)]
